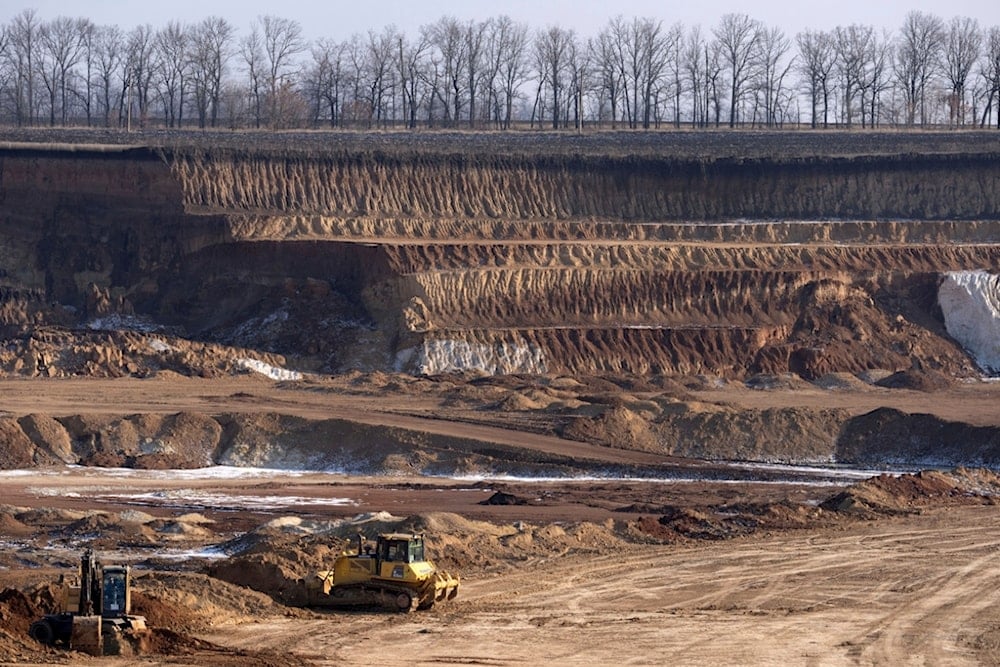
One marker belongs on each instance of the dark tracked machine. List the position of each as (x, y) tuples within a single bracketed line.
[(95, 614)]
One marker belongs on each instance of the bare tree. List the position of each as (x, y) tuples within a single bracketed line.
[(252, 53), (172, 71), (853, 45), (875, 77), (211, 49), (139, 69), (357, 107), (324, 80), (450, 60), (62, 48), (772, 68), (283, 42), (380, 59), (696, 64), (109, 53), (917, 53), (990, 73), (88, 39), (642, 49), (578, 68), (605, 55), (24, 37), (475, 49), (817, 57), (963, 46), (5, 69), (675, 48), (554, 50), (506, 66), (411, 61), (655, 47), (737, 36)]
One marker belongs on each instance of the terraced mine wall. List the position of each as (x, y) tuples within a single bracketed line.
[(432, 261)]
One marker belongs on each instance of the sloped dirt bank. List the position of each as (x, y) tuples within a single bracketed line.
[(527, 425)]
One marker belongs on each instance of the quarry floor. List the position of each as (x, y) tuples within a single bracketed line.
[(918, 586)]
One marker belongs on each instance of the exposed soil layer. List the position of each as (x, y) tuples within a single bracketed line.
[(678, 254)]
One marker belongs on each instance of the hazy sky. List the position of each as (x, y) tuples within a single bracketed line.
[(338, 19)]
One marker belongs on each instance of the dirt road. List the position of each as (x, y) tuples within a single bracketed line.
[(917, 590)]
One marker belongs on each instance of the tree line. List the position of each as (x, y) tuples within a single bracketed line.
[(635, 73)]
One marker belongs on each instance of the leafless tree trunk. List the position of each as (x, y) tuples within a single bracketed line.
[(447, 36), (675, 60), (108, 57), (510, 53), (282, 43), (62, 48), (172, 71), (963, 47), (356, 106), (25, 38), (817, 57), (475, 47), (252, 53), (380, 58), (554, 50), (89, 59), (655, 49), (773, 67), (694, 72), (410, 64), (853, 45), (876, 78), (605, 55), (917, 53), (140, 66), (991, 76), (211, 51), (737, 36)]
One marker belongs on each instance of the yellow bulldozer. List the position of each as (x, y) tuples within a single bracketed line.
[(394, 575), (95, 613)]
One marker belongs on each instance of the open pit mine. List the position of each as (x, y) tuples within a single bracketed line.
[(652, 398)]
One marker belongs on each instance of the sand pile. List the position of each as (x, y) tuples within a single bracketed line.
[(909, 493)]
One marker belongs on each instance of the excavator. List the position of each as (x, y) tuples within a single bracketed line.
[(394, 575), (96, 611)]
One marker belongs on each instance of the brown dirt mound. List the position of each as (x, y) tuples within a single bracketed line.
[(161, 614), (12, 527), (907, 493), (783, 381), (205, 601), (916, 379), (501, 498), (18, 611), (265, 572), (617, 427)]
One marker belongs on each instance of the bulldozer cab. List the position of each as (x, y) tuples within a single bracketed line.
[(396, 548)]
